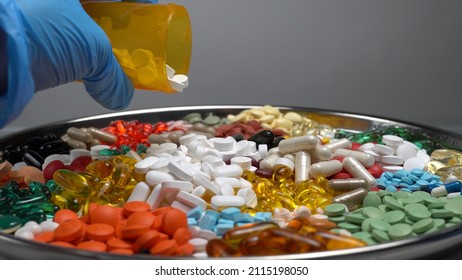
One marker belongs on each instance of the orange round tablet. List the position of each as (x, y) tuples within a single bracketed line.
[(148, 239), (17, 176), (117, 243), (157, 224), (63, 215), (161, 211), (31, 177), (45, 237), (182, 236), (133, 231), (164, 248), (118, 229), (135, 206), (96, 246), (104, 214), (185, 250), (144, 217), (5, 168), (62, 244), (122, 251), (99, 232), (172, 220), (69, 231)]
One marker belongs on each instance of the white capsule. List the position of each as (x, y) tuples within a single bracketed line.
[(302, 166), (269, 161), (439, 191), (453, 195), (326, 168), (219, 201), (191, 200), (154, 177), (33, 226), (344, 143), (231, 170), (322, 153), (357, 170), (377, 157), (24, 234), (140, 192), (451, 178), (284, 162), (299, 143), (365, 159)]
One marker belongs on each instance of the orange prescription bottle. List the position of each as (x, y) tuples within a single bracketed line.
[(152, 42)]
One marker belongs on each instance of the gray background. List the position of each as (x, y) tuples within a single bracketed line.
[(397, 59)]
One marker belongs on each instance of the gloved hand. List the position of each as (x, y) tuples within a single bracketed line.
[(63, 44)]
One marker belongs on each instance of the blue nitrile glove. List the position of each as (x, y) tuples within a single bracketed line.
[(52, 42)]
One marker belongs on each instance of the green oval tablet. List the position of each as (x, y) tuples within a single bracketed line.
[(383, 193), (394, 217), (397, 195), (379, 225), (372, 199), (422, 194), (366, 225), (436, 205), (9, 223), (441, 213), (372, 212), (384, 208), (392, 203), (417, 212), (430, 199), (439, 223), (337, 219), (335, 209), (362, 235), (350, 227), (422, 225), (399, 231), (381, 236), (455, 220), (410, 200), (455, 206), (357, 219)]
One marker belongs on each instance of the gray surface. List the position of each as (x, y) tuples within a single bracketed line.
[(397, 59)]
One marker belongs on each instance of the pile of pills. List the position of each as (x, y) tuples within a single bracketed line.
[(261, 182)]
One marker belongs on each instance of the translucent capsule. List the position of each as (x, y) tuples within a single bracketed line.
[(270, 161), (344, 143), (100, 168), (367, 160), (236, 235), (445, 172), (447, 156), (299, 143), (433, 166), (302, 166), (346, 185), (121, 175), (71, 181), (333, 241), (357, 170), (220, 248), (351, 199), (326, 168), (322, 152)]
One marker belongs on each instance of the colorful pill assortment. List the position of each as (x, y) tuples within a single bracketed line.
[(262, 182)]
